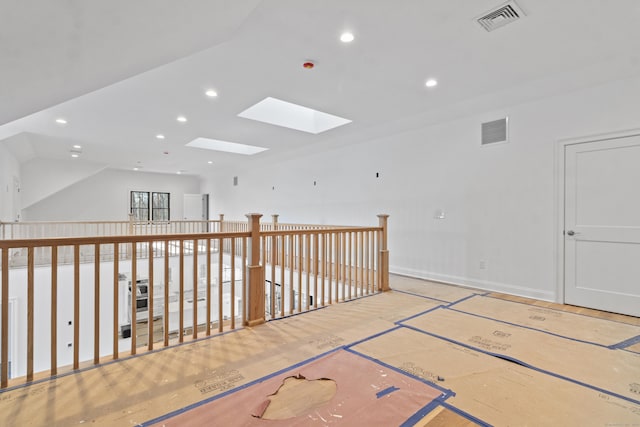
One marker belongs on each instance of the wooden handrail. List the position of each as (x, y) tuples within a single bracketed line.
[(305, 267)]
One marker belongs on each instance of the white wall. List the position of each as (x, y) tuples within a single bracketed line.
[(499, 201), (105, 196), (43, 177), (9, 168)]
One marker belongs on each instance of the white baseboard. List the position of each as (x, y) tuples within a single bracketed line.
[(484, 285)]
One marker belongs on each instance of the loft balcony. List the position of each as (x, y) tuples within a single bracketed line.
[(422, 353)]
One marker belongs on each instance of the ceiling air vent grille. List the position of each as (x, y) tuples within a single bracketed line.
[(494, 131), (501, 16)]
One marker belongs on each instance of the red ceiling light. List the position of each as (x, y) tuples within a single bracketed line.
[(308, 65)]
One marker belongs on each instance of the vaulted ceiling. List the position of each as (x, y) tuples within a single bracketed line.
[(121, 72)]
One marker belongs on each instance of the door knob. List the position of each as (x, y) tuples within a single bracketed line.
[(571, 232)]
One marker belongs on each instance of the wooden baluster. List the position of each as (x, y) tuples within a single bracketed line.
[(4, 371), (54, 310), (116, 287), (150, 296), (181, 295), (300, 240), (76, 307), (30, 313), (307, 257), (195, 289), (233, 283), (330, 267), (220, 286), (134, 295), (244, 281), (208, 293), (167, 280), (96, 304), (350, 260), (316, 263), (292, 294), (283, 286), (273, 275)]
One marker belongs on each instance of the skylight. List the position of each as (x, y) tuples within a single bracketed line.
[(292, 116), (226, 146)]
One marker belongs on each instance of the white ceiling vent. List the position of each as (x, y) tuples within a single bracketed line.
[(495, 131), (503, 15)]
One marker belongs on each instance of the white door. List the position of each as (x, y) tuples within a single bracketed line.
[(602, 225), (193, 207)]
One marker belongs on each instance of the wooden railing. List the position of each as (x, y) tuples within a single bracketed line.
[(86, 311), (44, 229)]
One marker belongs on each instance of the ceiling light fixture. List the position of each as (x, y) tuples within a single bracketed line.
[(61, 121), (181, 119), (210, 162), (135, 169), (75, 151), (211, 93), (431, 83), (160, 136), (346, 37)]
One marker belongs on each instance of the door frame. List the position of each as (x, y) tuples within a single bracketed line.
[(559, 205)]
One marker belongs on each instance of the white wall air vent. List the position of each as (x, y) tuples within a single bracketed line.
[(495, 131), (503, 15)]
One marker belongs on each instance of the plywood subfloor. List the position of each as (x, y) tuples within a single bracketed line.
[(410, 330)]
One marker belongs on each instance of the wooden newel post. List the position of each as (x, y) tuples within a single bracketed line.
[(221, 223), (384, 255), (255, 275), (275, 221)]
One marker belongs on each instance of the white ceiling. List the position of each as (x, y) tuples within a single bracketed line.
[(121, 72)]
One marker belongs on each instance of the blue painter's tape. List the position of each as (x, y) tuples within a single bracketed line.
[(559, 311), (420, 296), (386, 391), (445, 392), (421, 413), (465, 415), (530, 328), (242, 387), (526, 365), (399, 322), (626, 343), (372, 337), (464, 299)]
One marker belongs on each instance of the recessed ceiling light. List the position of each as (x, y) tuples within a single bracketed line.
[(211, 93), (431, 83), (75, 155), (77, 147), (286, 114), (181, 119), (61, 121), (160, 136), (135, 169), (210, 162), (226, 146), (346, 37), (179, 172)]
